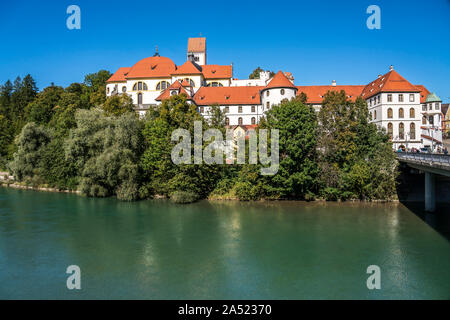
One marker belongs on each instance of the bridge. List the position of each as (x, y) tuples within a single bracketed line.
[(430, 164)]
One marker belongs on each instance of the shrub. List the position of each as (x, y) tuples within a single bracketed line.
[(183, 197)]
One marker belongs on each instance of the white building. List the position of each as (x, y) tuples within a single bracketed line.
[(409, 113)]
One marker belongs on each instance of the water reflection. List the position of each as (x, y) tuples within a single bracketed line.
[(217, 250)]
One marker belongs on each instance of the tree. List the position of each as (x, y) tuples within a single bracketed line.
[(118, 104), (41, 109), (298, 171), (30, 144), (256, 73), (105, 151)]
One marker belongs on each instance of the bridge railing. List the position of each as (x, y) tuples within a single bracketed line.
[(427, 158)]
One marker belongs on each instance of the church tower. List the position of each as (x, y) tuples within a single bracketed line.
[(196, 51)]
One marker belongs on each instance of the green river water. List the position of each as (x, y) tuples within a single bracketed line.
[(215, 250)]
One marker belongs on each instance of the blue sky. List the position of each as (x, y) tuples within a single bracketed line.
[(318, 41)]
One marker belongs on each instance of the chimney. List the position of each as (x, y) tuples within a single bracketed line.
[(333, 83), (391, 68)]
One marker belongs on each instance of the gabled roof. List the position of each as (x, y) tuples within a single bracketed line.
[(423, 92), (390, 82), (152, 67), (196, 44), (119, 75), (214, 71), (280, 81), (315, 94), (178, 86), (188, 68), (207, 96)]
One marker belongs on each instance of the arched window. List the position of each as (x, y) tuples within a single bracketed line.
[(124, 89), (107, 90), (412, 113), (139, 98), (390, 115), (135, 87), (239, 120), (401, 131), (267, 93), (390, 130), (191, 83), (412, 131), (139, 85), (162, 85), (145, 86), (282, 92), (401, 113), (375, 115), (424, 120), (227, 121), (253, 120), (268, 104)]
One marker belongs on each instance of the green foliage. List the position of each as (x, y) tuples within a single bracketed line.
[(118, 104), (183, 197), (105, 150)]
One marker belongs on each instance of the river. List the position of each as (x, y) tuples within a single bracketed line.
[(215, 250)]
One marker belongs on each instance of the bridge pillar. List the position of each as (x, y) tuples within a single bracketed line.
[(430, 196)]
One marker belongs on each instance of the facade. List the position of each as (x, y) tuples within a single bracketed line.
[(409, 113), (446, 119)]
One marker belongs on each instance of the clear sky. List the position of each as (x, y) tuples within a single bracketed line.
[(318, 41)]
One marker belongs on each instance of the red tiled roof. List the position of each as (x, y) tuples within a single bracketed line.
[(423, 92), (152, 67), (315, 94), (187, 68), (206, 96), (177, 86), (390, 82), (119, 75), (214, 71), (280, 81), (196, 44)]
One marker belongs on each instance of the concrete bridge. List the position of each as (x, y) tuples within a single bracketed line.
[(431, 165)]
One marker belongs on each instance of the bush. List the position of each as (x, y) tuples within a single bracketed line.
[(183, 197)]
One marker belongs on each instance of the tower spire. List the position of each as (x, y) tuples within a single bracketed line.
[(156, 52)]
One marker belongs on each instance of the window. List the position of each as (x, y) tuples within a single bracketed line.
[(400, 98), (139, 98), (401, 131), (202, 109), (227, 109), (411, 97), (436, 106), (124, 89), (401, 113), (424, 120), (389, 97), (253, 108), (412, 131), (412, 113), (240, 109), (389, 113), (162, 85), (268, 105), (215, 84), (375, 115), (430, 120), (145, 86), (191, 83), (107, 90), (379, 99), (239, 120), (282, 92), (390, 130), (227, 121), (139, 85), (253, 120), (267, 93)]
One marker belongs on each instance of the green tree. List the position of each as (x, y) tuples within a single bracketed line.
[(256, 73), (118, 104)]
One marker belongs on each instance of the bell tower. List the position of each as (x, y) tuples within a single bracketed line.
[(196, 51)]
